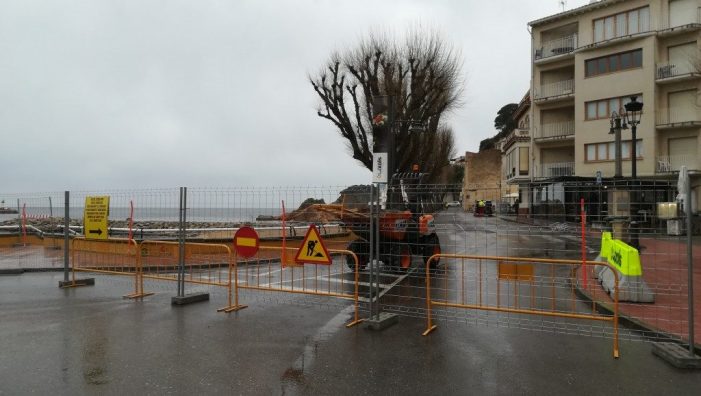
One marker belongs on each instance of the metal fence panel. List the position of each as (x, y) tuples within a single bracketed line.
[(541, 218)]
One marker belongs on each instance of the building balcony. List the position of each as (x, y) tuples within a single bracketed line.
[(672, 163), (516, 136), (646, 27), (673, 118), (555, 131), (556, 169), (692, 23), (557, 48), (515, 176), (555, 91), (671, 72)]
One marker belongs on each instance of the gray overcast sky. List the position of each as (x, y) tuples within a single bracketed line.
[(136, 94)]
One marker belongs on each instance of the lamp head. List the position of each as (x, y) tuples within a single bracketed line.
[(633, 109), (615, 123)]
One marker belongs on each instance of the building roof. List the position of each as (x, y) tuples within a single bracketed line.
[(575, 11)]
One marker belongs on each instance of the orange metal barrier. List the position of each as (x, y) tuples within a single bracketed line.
[(545, 267), (215, 265), (114, 256), (268, 272), (205, 264)]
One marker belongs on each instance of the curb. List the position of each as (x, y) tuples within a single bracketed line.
[(628, 321)]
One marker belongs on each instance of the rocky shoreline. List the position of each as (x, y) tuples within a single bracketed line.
[(55, 224)]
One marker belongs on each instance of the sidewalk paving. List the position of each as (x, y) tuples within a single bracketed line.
[(665, 270)]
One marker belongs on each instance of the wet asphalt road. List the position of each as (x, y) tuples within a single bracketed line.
[(91, 341)]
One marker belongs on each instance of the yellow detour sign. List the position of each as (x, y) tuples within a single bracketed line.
[(312, 249), (622, 256), (95, 217)]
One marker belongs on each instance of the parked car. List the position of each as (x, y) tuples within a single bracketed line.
[(452, 204)]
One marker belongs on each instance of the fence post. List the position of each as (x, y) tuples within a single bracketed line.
[(73, 282), (181, 298), (689, 254), (181, 243), (19, 222), (66, 235), (371, 251)]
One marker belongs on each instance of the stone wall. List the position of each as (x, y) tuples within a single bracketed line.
[(482, 177)]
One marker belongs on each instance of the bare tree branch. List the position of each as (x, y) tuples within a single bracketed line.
[(424, 76)]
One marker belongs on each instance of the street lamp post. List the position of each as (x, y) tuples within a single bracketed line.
[(616, 130), (631, 116)]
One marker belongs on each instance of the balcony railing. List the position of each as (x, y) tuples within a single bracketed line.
[(559, 88), (679, 115), (556, 130), (557, 169), (562, 45), (676, 69), (672, 163), (693, 20)]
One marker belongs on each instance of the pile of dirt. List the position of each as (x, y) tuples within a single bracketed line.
[(332, 213)]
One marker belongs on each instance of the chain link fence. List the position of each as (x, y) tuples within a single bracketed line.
[(416, 225)]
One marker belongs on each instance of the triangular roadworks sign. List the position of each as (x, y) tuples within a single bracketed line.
[(313, 250)]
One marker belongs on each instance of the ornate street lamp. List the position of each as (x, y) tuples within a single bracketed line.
[(632, 114), (616, 130), (632, 117)]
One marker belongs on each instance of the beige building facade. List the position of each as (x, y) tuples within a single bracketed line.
[(516, 158), (589, 61)]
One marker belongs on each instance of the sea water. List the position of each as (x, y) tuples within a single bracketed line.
[(156, 214)]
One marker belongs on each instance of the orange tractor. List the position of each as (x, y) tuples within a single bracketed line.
[(405, 230)]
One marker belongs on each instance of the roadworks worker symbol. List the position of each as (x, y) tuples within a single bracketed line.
[(312, 249)]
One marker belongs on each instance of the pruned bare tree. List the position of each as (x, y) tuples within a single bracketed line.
[(424, 76)]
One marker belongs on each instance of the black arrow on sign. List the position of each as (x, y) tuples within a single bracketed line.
[(98, 231)]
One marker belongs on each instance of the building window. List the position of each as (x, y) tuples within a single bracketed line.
[(622, 24), (607, 151), (614, 63), (523, 159), (599, 109)]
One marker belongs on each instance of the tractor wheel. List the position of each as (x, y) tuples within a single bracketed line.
[(400, 257), (430, 246), (360, 248)]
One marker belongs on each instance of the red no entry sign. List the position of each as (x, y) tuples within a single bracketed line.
[(246, 242)]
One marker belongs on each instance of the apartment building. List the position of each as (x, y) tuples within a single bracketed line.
[(587, 63), (516, 158)]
